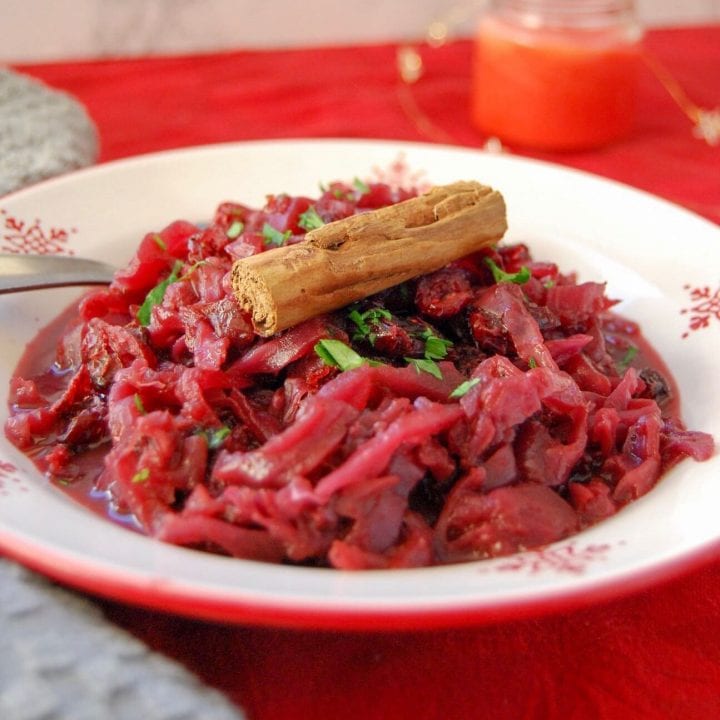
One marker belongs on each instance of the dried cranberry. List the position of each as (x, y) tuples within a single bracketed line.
[(444, 293), (488, 330), (514, 257)]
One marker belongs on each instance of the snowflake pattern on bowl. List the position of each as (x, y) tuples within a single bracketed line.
[(704, 309), (572, 558), (399, 174), (9, 478), (24, 238)]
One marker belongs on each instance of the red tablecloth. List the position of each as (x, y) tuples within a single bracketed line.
[(654, 654)]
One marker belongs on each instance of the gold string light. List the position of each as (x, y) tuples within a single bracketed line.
[(411, 67), (706, 122)]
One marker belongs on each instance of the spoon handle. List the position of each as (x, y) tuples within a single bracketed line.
[(32, 272)]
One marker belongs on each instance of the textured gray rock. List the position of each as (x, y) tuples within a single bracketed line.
[(43, 132), (61, 659)]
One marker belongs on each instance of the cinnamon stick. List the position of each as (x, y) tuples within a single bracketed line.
[(350, 259)]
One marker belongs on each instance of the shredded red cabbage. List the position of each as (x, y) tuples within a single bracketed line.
[(485, 416)]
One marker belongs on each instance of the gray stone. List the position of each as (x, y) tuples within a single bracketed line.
[(43, 132)]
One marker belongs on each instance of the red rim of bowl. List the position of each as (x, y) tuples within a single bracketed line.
[(125, 587)]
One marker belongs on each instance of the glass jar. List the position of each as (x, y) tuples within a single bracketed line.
[(556, 74)]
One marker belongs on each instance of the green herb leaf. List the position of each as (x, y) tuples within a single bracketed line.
[(310, 220), (464, 388), (271, 236), (139, 406), (499, 275), (337, 354), (235, 229), (425, 365), (363, 331), (365, 320), (157, 239), (186, 275), (156, 295), (436, 348), (360, 186), (629, 356), (532, 363), (216, 437), (140, 476)]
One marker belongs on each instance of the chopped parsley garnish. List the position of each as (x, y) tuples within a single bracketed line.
[(436, 348), (499, 275), (216, 437), (140, 476), (156, 295), (464, 388), (271, 236), (337, 354), (627, 359), (365, 320), (157, 239), (139, 406), (426, 365), (186, 275), (235, 229), (310, 220), (532, 363), (360, 186)]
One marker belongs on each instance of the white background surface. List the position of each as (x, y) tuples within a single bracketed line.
[(46, 30)]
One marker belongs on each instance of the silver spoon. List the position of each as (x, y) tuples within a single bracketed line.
[(33, 272)]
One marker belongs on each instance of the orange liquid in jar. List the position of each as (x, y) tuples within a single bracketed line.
[(554, 89)]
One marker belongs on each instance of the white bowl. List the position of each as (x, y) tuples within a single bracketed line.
[(661, 260)]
